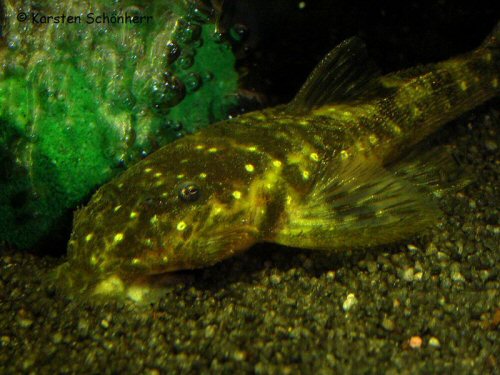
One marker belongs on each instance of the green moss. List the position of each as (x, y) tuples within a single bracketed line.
[(78, 103)]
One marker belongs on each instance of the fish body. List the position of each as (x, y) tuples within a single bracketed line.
[(330, 170)]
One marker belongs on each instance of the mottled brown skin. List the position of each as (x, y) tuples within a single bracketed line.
[(317, 173)]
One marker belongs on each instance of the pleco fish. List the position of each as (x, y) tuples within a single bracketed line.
[(332, 169)]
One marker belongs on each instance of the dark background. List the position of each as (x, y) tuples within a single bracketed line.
[(281, 43)]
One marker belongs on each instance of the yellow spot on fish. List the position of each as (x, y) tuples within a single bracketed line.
[(117, 208), (183, 161), (93, 260), (277, 163), (136, 261), (303, 122), (120, 185), (314, 156), (236, 194), (249, 167), (212, 149), (494, 82), (487, 57), (288, 199), (252, 148), (164, 194), (154, 220), (180, 176), (463, 85), (133, 215), (165, 259), (396, 129), (344, 154), (200, 147), (203, 175), (373, 139), (158, 174), (89, 236), (118, 237), (305, 175), (147, 170), (181, 225)]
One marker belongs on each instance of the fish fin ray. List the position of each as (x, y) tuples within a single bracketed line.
[(345, 73), (357, 204), (436, 169)]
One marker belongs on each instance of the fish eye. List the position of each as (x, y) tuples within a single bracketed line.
[(189, 192)]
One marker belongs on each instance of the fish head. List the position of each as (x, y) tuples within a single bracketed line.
[(188, 205)]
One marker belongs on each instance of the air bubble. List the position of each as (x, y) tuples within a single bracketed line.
[(218, 37), (168, 93), (238, 32), (200, 12), (173, 52), (186, 62), (193, 82), (187, 32)]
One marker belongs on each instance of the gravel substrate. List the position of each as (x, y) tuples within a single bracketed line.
[(429, 305)]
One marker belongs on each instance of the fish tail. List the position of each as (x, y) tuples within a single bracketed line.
[(430, 96)]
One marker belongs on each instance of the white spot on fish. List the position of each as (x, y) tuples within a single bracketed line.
[(133, 215), (212, 149), (252, 148), (118, 237), (249, 167), (89, 236), (314, 156), (236, 194), (181, 225), (179, 176), (158, 174), (117, 208), (203, 175), (305, 175), (344, 154), (147, 170), (200, 147), (277, 163)]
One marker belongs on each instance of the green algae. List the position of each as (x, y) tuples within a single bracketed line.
[(81, 102)]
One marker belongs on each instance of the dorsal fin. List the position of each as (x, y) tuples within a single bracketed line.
[(345, 73)]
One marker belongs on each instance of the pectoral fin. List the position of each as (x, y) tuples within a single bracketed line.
[(356, 203)]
